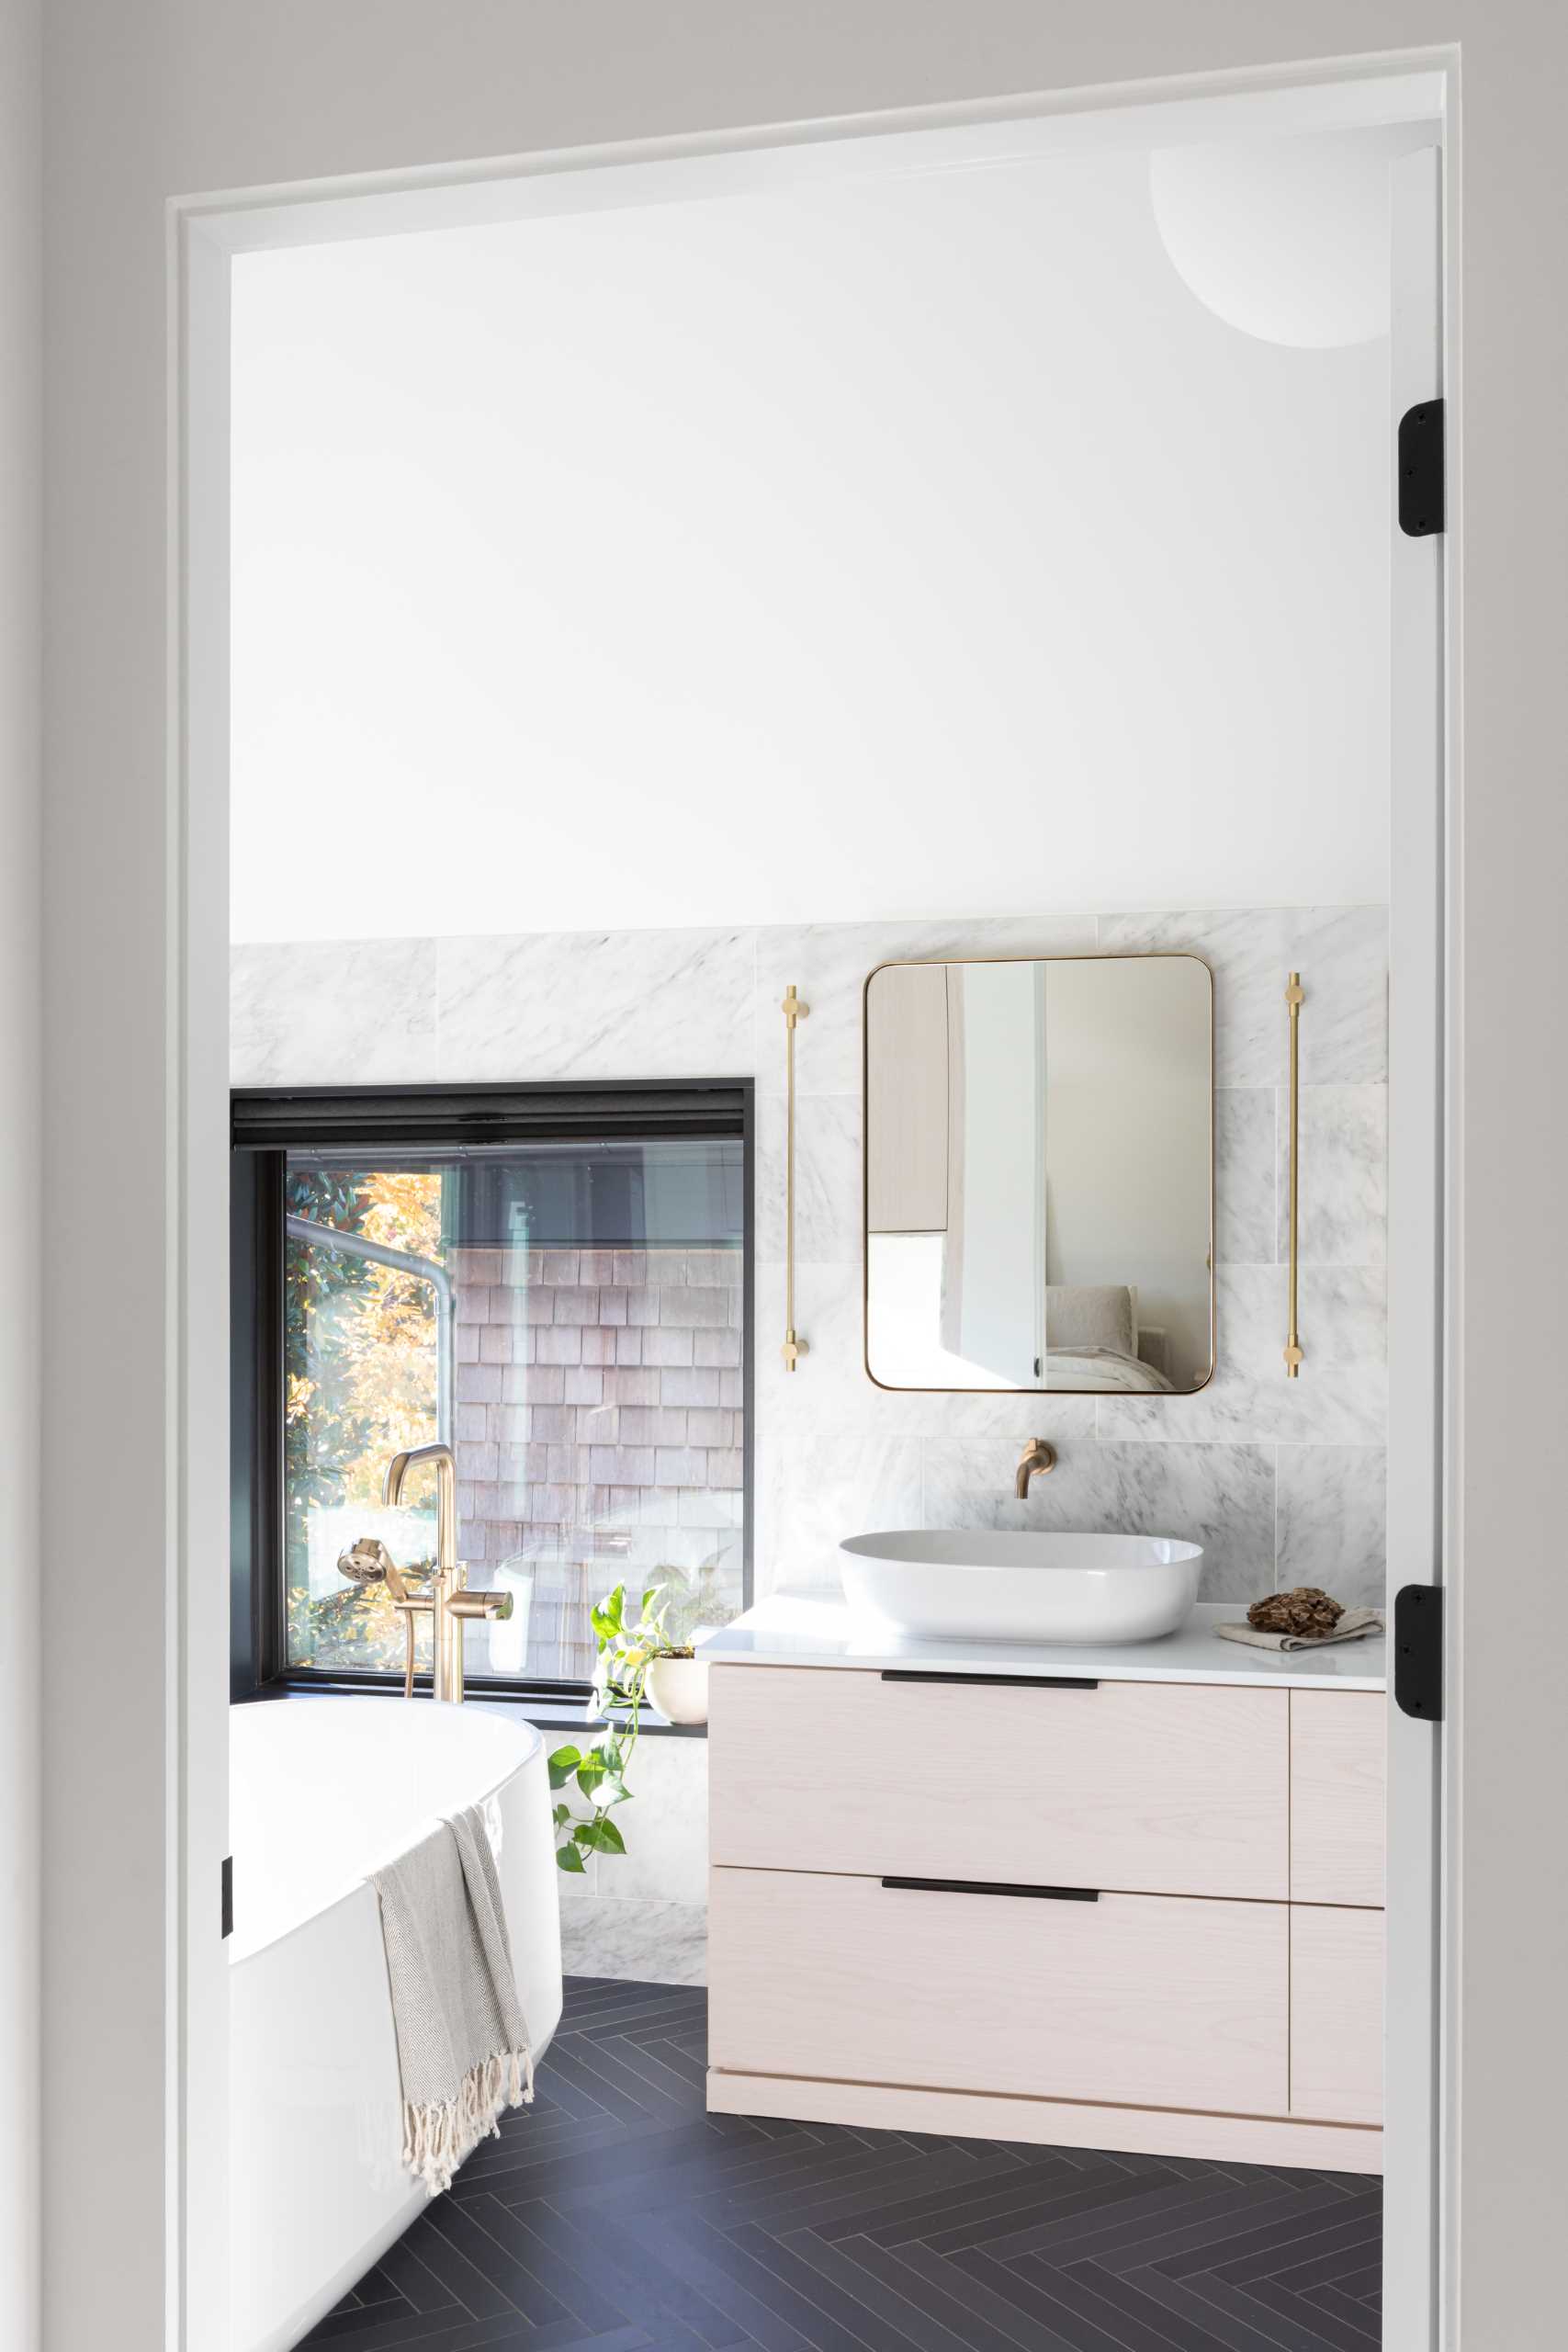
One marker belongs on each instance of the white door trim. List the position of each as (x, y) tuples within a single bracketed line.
[(196, 2235), (1419, 943)]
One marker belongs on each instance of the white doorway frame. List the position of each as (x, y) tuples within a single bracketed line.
[(1422, 946), (205, 236)]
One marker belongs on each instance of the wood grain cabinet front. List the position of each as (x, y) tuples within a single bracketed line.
[(1336, 2041), (1132, 1787), (1140, 1999), (1144, 1915), (1337, 1796)]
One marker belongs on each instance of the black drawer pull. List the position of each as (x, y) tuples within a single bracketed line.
[(994, 1886), (996, 1681)]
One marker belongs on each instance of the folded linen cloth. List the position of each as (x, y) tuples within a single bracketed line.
[(1354, 1626), (463, 2051)]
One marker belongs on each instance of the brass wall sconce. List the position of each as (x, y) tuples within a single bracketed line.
[(1295, 996), (794, 1013)]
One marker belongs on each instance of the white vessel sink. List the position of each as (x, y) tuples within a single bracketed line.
[(1019, 1588)]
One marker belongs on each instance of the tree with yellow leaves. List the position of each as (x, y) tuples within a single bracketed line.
[(360, 1369)]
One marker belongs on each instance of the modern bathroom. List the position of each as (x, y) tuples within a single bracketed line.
[(835, 802)]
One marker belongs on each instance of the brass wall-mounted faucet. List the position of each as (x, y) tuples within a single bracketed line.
[(445, 1600), (1035, 1460)]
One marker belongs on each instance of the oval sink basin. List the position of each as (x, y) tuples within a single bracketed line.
[(1020, 1588)]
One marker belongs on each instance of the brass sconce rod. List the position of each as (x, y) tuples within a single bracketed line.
[(1294, 997), (794, 1013)]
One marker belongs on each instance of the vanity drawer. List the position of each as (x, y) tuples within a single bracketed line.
[(1142, 1787), (1139, 2000), (1337, 1795), (1336, 1979)]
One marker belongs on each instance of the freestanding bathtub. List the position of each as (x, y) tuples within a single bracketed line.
[(325, 1791)]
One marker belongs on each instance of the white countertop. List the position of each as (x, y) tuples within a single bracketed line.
[(817, 1629)]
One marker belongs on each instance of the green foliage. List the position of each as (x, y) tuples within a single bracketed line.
[(324, 1437), (358, 1627), (693, 1597), (599, 1774), (359, 1362)]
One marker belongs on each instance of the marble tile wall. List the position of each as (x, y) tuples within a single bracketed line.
[(643, 1914), (1282, 1481)]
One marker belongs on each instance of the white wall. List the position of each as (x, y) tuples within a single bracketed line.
[(185, 94), (550, 535), (20, 101)]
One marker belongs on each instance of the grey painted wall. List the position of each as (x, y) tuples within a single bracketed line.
[(20, 1017)]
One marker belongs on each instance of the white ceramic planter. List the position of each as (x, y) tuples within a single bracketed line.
[(678, 1687)]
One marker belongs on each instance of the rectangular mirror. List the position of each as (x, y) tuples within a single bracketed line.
[(1039, 1174)]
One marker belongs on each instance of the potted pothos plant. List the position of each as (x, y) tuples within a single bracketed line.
[(629, 1672), (678, 1683)]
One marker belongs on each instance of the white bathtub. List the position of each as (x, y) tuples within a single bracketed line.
[(323, 1791)]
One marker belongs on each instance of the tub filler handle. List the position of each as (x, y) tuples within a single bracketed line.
[(448, 1596)]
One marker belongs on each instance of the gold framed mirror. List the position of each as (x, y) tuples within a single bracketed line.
[(1039, 1174)]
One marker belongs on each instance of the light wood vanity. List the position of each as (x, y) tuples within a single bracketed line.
[(1146, 1900)]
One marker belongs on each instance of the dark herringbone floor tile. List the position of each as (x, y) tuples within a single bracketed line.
[(616, 2215)]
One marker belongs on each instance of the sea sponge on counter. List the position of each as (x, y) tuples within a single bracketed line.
[(1306, 1611)]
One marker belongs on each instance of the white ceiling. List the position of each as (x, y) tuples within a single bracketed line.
[(969, 542)]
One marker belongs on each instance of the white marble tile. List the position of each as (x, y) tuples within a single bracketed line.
[(351, 1011), (828, 964), (1245, 1170), (1343, 1182), (815, 1489), (1333, 1507), (651, 1943), (596, 1005), (1342, 956), (1339, 1396), (829, 1204), (832, 1390), (665, 1826), (1219, 1496)]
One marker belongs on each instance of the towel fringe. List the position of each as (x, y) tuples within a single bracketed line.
[(439, 2134)]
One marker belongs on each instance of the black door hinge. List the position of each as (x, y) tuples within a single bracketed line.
[(1418, 1651), (1421, 510), (228, 1894)]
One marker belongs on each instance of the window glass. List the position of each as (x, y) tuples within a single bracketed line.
[(569, 1316)]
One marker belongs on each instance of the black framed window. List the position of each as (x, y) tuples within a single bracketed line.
[(557, 1281)]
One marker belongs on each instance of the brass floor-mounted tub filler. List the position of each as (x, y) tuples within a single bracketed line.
[(445, 1600)]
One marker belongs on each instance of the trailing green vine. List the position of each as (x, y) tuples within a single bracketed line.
[(599, 1772)]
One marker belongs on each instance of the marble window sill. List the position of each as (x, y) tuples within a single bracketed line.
[(550, 1714)]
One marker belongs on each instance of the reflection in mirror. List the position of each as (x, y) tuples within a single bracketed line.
[(1039, 1174)]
